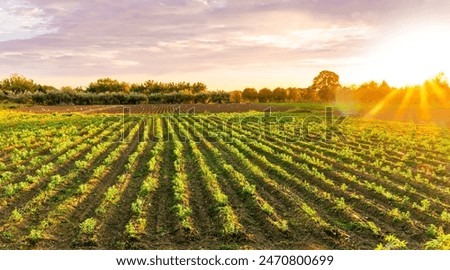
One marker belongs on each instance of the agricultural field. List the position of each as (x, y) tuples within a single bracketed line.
[(230, 180)]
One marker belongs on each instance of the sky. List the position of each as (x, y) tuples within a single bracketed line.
[(227, 44)]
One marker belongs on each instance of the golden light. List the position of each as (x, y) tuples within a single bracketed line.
[(381, 105), (404, 105), (411, 54), (420, 103), (424, 107), (437, 89)]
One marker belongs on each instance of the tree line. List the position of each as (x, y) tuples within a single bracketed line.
[(434, 91), (18, 89), (325, 87), (105, 91)]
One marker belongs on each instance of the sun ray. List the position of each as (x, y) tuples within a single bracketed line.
[(438, 91), (400, 113), (424, 107), (380, 105)]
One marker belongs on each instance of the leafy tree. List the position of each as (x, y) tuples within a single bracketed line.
[(384, 89), (18, 84), (137, 88), (372, 92), (265, 95), (279, 95), (310, 94), (220, 97), (108, 85), (236, 96), (440, 80), (68, 89), (346, 94), (438, 90), (198, 87), (45, 88), (202, 98), (152, 87), (250, 95), (326, 84), (294, 94)]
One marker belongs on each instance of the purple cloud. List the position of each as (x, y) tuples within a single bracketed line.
[(76, 41)]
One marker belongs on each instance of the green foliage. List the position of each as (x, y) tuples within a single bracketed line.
[(445, 216), (424, 205), (221, 198), (82, 189), (16, 216), (249, 189), (137, 206), (10, 190), (88, 226), (55, 181), (112, 194), (18, 84), (8, 234), (371, 226), (391, 242), (6, 176), (99, 171), (340, 204), (147, 186), (433, 231), (230, 226), (267, 208), (133, 228), (442, 242), (108, 85), (35, 235), (81, 164), (282, 225), (398, 215)]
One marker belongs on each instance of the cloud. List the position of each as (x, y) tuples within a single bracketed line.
[(181, 38), (22, 20)]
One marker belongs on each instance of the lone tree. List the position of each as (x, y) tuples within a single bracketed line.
[(326, 85)]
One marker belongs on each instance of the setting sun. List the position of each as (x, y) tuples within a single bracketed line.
[(412, 54)]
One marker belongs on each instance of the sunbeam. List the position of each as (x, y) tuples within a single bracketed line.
[(401, 111), (380, 105), (424, 107), (435, 86)]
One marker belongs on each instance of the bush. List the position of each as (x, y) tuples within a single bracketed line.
[(56, 97)]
